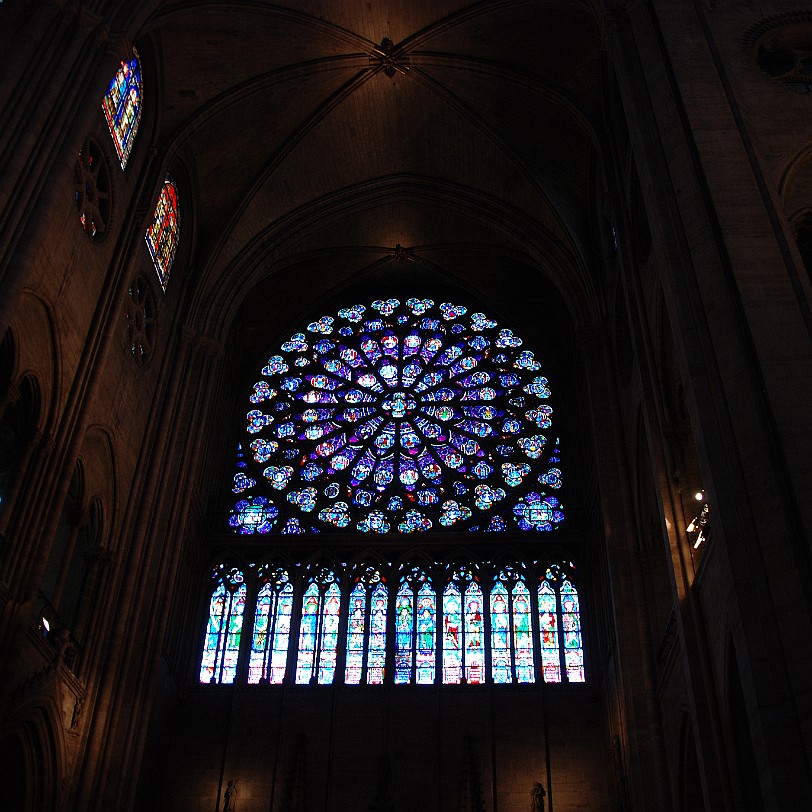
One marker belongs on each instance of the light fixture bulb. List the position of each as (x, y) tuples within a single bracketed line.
[(699, 496)]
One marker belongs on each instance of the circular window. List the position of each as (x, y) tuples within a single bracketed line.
[(92, 193), (399, 418), (140, 318)]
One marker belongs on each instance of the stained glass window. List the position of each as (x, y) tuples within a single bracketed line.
[(318, 632), (366, 629), (162, 235), (400, 418), (269, 647), (122, 106), (511, 629), (463, 631), (455, 630), (559, 613), (222, 642)]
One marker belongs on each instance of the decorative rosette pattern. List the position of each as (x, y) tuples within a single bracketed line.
[(399, 417)]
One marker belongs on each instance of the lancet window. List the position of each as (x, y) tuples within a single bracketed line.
[(162, 235), (318, 633), (122, 107), (271, 638), (224, 630), (459, 623)]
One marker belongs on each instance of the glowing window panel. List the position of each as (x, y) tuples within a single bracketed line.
[(426, 658), (501, 657), (422, 422), (522, 633), (548, 631), (474, 636), (122, 107), (222, 643), (376, 659), (571, 626), (269, 646), (404, 633), (162, 235), (355, 635), (328, 639), (452, 635), (308, 630)]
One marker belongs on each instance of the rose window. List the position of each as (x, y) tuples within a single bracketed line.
[(399, 418)]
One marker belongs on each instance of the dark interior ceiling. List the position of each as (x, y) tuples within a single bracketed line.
[(320, 135)]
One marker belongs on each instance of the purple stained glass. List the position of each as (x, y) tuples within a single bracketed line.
[(411, 402)]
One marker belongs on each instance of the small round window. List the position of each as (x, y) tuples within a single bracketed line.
[(140, 317), (92, 192)]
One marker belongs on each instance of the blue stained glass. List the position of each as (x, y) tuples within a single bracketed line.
[(337, 514), (452, 635), (352, 357), (479, 322), (355, 635), (427, 496), (311, 471), (375, 522), (507, 339), (376, 654), (426, 626), (122, 107), (487, 496), (451, 311), (404, 634), (269, 647), (414, 522), (222, 641), (386, 306), (551, 478), (501, 656), (453, 512), (522, 633), (384, 472), (297, 343), (548, 631), (354, 313), (337, 368), (474, 652), (242, 482), (482, 470), (419, 306), (363, 498), (513, 474), (420, 396)]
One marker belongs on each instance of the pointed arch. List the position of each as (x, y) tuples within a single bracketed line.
[(162, 235), (221, 645), (271, 634), (122, 106), (318, 630)]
